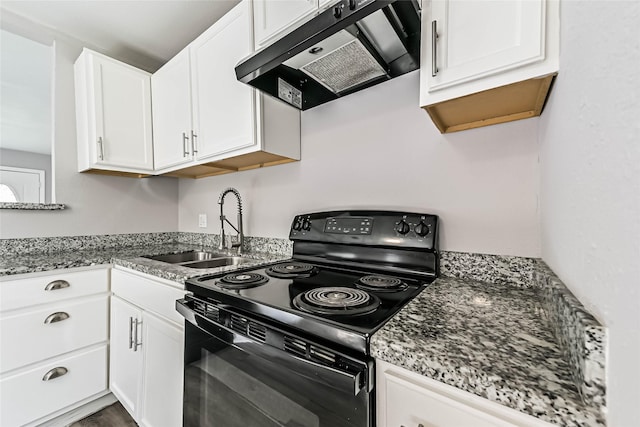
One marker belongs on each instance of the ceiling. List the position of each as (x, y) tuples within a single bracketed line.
[(156, 30)]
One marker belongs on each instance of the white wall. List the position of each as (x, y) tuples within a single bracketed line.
[(590, 182), (97, 204), (377, 149)]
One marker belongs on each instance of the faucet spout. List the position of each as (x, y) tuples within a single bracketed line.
[(240, 242)]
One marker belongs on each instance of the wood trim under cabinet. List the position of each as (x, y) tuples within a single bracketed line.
[(116, 173), (503, 104), (258, 159)]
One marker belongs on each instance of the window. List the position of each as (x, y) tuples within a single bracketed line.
[(7, 195)]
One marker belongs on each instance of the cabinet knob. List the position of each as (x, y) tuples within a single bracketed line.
[(57, 284), (56, 317), (55, 373)]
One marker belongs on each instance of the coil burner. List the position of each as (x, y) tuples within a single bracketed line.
[(337, 301), (242, 280), (292, 270), (381, 283)]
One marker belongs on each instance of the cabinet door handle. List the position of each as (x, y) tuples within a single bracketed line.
[(194, 146), (57, 284), (101, 147), (185, 144), (434, 48), (56, 317), (136, 344), (130, 332), (55, 373)]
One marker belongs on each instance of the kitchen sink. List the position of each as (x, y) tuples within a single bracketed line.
[(184, 257), (200, 259), (219, 262)]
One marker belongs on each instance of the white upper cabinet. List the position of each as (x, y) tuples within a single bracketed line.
[(113, 112), (206, 122), (504, 53), (479, 38), (223, 107), (272, 19), (172, 129)]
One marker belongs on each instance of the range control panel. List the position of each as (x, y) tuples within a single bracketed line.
[(371, 228), (352, 225)]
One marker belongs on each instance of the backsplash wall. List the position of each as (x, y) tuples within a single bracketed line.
[(377, 149)]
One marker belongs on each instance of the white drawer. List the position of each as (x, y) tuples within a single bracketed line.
[(151, 295), (27, 397), (23, 292), (25, 338)]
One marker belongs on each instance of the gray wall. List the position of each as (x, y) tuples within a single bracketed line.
[(590, 182), (96, 204), (378, 149), (24, 159)]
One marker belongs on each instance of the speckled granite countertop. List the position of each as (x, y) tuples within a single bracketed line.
[(127, 257), (501, 327), (493, 340)]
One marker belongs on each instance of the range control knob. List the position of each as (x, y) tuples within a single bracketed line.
[(337, 11), (297, 224), (306, 224), (421, 229), (352, 4), (402, 227)]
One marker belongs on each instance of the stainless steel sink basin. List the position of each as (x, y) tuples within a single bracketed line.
[(200, 259), (219, 262), (184, 257)]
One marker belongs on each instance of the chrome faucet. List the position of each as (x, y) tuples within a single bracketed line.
[(239, 244)]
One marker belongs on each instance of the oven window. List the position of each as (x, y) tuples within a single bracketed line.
[(228, 386)]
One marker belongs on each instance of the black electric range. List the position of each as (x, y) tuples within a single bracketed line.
[(288, 344)]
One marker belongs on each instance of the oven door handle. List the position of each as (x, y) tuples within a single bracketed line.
[(328, 375)]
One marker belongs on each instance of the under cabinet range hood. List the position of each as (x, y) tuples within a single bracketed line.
[(352, 45)]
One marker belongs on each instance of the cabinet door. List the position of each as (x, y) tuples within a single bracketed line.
[(480, 38), (125, 361), (171, 88), (272, 19), (223, 107), (123, 115), (163, 344)]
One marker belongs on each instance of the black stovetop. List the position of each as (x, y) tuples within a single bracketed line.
[(343, 246), (274, 301)]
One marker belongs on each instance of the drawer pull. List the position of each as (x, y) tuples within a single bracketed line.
[(55, 373), (56, 317), (57, 284)]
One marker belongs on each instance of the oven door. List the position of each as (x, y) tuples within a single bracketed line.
[(231, 380)]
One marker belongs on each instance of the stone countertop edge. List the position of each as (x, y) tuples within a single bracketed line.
[(557, 373)]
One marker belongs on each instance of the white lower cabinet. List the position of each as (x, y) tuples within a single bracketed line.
[(408, 399), (162, 377), (49, 386), (147, 341), (125, 361), (53, 351)]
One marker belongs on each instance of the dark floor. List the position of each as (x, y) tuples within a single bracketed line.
[(111, 416)]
